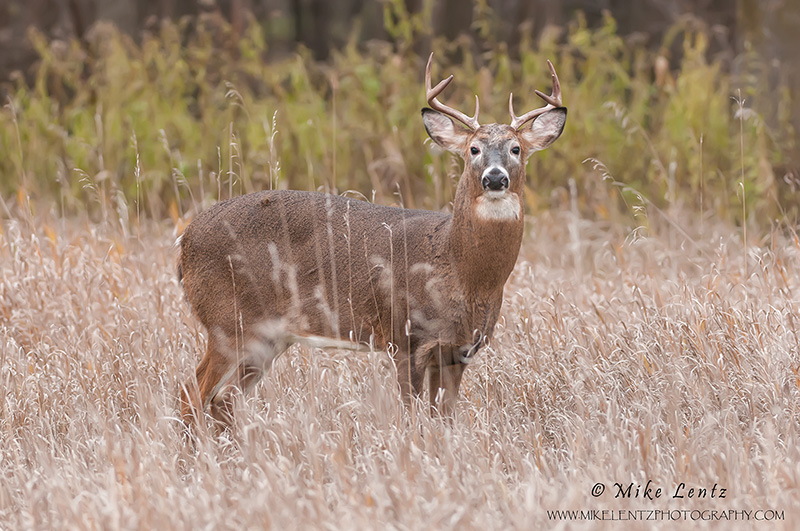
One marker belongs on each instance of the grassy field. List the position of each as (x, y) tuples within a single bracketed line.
[(620, 357), (642, 342)]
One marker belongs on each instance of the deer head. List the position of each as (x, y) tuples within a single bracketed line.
[(494, 155)]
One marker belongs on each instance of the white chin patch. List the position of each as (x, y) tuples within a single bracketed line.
[(498, 206)]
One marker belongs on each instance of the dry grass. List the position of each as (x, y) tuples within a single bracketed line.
[(618, 358)]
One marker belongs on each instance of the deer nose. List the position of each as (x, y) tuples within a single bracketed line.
[(495, 179)]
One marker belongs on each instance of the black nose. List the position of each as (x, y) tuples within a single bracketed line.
[(495, 180)]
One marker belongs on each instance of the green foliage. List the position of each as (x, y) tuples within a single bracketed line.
[(190, 115)]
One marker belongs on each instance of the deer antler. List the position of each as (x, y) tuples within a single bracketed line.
[(553, 101), (470, 121)]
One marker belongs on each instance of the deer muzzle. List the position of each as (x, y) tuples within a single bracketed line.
[(495, 179)]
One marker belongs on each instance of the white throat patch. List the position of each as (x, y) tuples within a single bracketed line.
[(498, 206)]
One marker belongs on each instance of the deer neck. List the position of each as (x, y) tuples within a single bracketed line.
[(483, 250)]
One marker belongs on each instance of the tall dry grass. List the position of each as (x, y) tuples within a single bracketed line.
[(620, 356), (667, 353)]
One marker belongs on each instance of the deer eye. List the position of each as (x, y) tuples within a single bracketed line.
[(474, 150), (515, 150)]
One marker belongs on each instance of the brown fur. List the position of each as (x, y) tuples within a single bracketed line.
[(428, 283)]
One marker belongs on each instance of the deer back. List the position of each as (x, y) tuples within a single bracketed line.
[(333, 265)]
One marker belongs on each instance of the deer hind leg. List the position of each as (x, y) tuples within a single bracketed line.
[(221, 369), (197, 393), (225, 369), (444, 379), (243, 376)]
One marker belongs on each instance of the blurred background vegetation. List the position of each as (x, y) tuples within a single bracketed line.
[(155, 108)]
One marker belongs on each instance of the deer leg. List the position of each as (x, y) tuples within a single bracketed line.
[(410, 379), (220, 372), (198, 392), (444, 379), (249, 376), (245, 377)]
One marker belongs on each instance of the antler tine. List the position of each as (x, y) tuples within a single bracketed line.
[(431, 93), (553, 101)]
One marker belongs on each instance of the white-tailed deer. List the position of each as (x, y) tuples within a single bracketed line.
[(427, 285)]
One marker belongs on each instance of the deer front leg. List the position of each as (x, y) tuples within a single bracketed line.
[(410, 378), (444, 383), (444, 379)]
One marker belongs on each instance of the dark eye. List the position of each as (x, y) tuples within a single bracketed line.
[(474, 150), (515, 150)]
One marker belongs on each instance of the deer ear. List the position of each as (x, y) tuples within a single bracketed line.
[(444, 131), (545, 129)]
